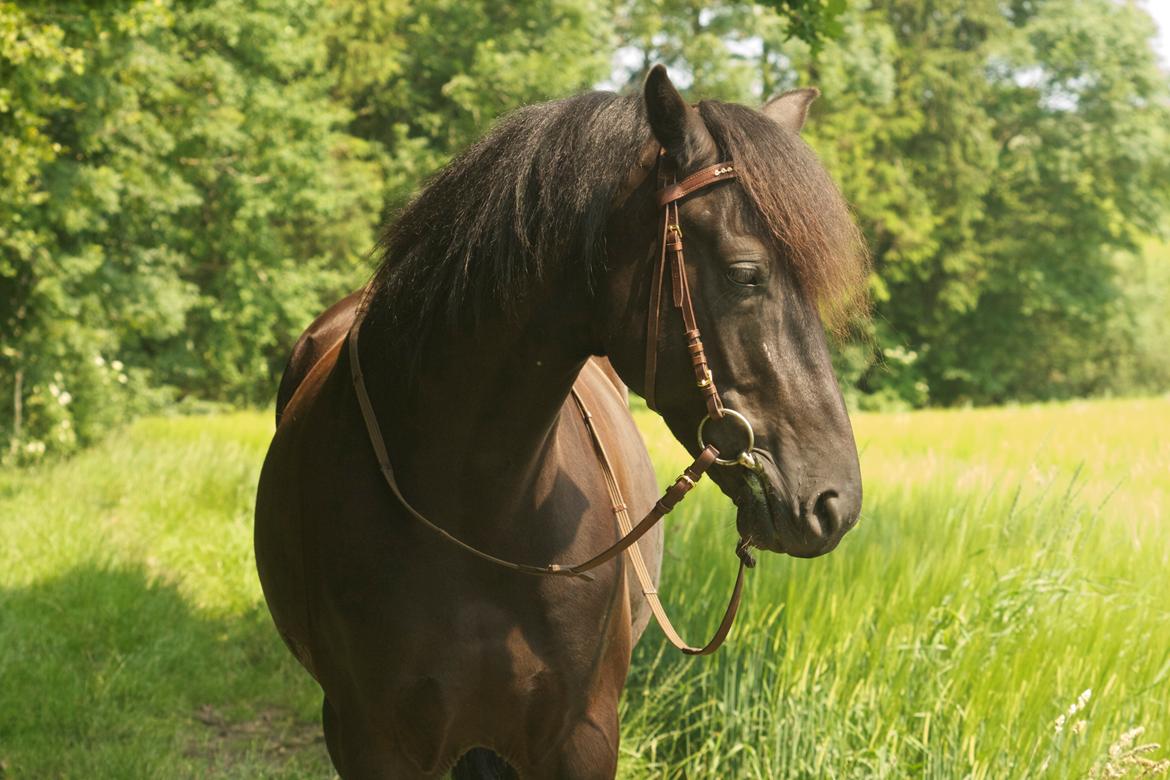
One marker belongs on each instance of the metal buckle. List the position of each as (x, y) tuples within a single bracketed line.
[(745, 457)]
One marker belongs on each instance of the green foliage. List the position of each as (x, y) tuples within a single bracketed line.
[(182, 200), (1142, 324), (425, 79), (1039, 151), (812, 21), (1005, 162), (201, 178), (734, 50), (185, 183), (1007, 560)]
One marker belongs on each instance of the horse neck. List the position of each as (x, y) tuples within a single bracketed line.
[(473, 434)]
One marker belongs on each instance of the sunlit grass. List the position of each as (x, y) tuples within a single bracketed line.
[(1009, 560)]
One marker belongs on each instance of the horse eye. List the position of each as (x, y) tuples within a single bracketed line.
[(744, 274)]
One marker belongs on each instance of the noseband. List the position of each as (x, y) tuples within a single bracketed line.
[(669, 193)]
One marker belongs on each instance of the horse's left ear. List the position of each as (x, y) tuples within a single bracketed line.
[(790, 109), (676, 125)]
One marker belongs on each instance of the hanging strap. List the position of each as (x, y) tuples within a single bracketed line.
[(645, 581)]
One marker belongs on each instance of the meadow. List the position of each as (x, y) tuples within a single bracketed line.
[(1012, 564)]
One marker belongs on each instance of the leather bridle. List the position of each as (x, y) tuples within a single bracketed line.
[(669, 193)]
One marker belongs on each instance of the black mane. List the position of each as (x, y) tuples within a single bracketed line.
[(534, 195)]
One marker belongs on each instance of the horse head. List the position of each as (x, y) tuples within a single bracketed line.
[(766, 254)]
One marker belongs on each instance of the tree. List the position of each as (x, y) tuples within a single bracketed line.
[(1043, 151), (193, 202), (425, 79), (999, 158), (813, 21), (185, 183)]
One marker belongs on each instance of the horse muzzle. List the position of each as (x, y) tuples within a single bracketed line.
[(771, 517)]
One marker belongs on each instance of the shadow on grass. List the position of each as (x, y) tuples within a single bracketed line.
[(112, 673)]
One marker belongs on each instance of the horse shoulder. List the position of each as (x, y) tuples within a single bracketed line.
[(280, 530), (612, 375)]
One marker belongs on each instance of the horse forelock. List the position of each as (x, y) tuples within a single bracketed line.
[(798, 204)]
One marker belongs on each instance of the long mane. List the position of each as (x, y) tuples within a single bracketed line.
[(535, 194)]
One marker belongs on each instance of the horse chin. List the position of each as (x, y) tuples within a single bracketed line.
[(767, 521), (758, 518)]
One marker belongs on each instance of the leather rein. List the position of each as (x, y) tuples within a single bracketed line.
[(669, 193)]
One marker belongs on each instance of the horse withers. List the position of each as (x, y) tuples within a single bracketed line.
[(520, 265)]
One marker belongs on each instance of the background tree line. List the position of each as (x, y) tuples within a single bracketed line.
[(184, 184)]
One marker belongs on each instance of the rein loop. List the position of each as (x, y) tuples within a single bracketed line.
[(675, 493)]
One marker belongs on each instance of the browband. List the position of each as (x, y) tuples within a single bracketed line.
[(723, 171)]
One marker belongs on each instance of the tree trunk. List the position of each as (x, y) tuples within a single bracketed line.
[(17, 403)]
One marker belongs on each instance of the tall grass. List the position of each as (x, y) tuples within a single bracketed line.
[(1008, 560)]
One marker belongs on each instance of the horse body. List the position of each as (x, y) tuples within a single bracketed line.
[(453, 653), (502, 283)]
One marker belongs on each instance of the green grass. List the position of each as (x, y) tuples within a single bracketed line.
[(134, 642), (1008, 559)]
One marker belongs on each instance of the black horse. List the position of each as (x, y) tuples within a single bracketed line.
[(528, 255)]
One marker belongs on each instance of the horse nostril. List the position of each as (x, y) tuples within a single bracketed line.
[(826, 514)]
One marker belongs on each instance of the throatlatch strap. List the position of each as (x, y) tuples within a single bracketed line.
[(653, 311)]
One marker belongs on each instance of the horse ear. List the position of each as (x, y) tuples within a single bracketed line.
[(790, 109), (675, 124)]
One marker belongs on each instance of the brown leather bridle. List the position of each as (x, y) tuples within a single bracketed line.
[(670, 192)]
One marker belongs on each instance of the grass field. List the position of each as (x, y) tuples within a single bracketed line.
[(1008, 560)]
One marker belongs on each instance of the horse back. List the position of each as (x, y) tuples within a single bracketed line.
[(332, 324)]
